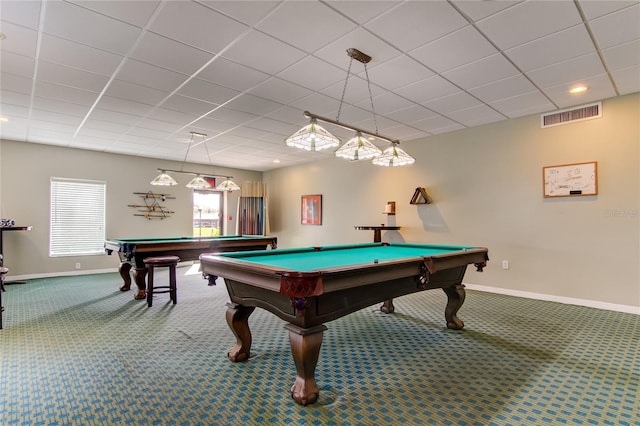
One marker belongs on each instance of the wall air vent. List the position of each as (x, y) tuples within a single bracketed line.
[(572, 115)]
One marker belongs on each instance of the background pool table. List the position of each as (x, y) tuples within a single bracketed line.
[(310, 286), (133, 251)]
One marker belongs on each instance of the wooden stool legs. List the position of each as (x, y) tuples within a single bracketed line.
[(162, 262)]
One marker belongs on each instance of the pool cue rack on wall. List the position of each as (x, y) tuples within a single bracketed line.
[(151, 209)]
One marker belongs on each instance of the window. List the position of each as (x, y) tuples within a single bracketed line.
[(207, 211), (77, 217)]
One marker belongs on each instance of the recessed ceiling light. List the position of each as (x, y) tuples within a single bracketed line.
[(276, 161), (578, 89), (4, 119)]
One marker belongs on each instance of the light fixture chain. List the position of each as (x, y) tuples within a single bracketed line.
[(373, 111), (344, 89)]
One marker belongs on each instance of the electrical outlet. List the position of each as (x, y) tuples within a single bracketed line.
[(77, 265), (505, 264)]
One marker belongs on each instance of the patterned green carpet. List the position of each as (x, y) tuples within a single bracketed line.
[(77, 351)]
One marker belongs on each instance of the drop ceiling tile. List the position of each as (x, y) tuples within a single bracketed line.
[(436, 124), (249, 11), (137, 13), (274, 126), (123, 105), (280, 91), (476, 116), (262, 52), (60, 74), (386, 103), (525, 104), (483, 71), (71, 22), (197, 25), (336, 51), (291, 23), (16, 83), (529, 20), (55, 120), (567, 71), (170, 54), (14, 113), (560, 46), (420, 22), (24, 13), (455, 49), (104, 126), (211, 126), (599, 88), (411, 114), (233, 116), (64, 93), (477, 10), (170, 116), (361, 11), (11, 98), (76, 55), (357, 90), (18, 39), (208, 92), (160, 125), (618, 27), (457, 101), (120, 118), (15, 64), (313, 73), (253, 104), (186, 105), (317, 103), (428, 89), (135, 92), (143, 74), (623, 55), (627, 80), (286, 114), (399, 71), (230, 74), (158, 135), (505, 88), (69, 108)]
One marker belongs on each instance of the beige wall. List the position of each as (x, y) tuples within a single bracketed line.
[(25, 172), (486, 184)]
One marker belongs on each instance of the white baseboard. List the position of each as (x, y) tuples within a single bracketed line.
[(550, 298)]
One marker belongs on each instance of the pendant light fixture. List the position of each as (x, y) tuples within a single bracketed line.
[(313, 137), (199, 181)]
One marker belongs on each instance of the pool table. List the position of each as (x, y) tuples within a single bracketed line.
[(133, 251), (307, 287)]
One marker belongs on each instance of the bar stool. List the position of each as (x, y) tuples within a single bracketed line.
[(3, 272), (162, 262)]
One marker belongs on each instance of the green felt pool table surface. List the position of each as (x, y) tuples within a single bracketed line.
[(320, 258)]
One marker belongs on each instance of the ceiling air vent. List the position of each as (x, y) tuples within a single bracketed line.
[(585, 112)]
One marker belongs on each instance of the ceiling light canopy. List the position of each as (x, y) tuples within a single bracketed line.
[(313, 137), (199, 181)]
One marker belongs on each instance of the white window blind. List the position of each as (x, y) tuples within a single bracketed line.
[(77, 217)]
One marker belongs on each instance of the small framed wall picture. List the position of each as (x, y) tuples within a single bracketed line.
[(570, 180), (311, 210)]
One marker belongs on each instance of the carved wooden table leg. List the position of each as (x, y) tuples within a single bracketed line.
[(387, 307), (238, 320), (455, 295), (139, 276), (305, 349), (124, 269)]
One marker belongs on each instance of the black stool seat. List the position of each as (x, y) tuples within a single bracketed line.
[(3, 272), (162, 262)]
